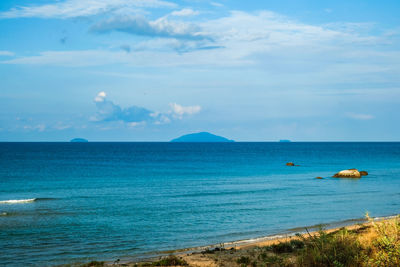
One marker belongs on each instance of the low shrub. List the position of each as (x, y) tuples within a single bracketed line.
[(287, 247), (170, 261), (243, 260), (332, 250)]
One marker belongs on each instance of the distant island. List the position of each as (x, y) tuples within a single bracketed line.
[(79, 140), (201, 137), (284, 141)]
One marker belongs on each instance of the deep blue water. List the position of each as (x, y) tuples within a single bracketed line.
[(106, 201)]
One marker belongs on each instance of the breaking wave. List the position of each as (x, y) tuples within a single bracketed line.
[(23, 201), (18, 201)]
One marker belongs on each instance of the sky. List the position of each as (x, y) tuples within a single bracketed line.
[(152, 70)]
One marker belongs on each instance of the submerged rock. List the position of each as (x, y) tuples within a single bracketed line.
[(363, 173), (290, 164), (351, 173), (319, 177)]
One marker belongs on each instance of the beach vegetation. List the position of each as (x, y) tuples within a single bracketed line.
[(375, 244), (243, 260), (287, 247), (171, 260), (385, 247), (337, 249)]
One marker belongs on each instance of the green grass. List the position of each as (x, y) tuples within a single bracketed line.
[(385, 248), (336, 249)]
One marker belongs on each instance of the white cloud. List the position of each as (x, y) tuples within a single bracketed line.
[(136, 124), (107, 111), (263, 39), (216, 4), (78, 58), (358, 116), (139, 25), (160, 118), (265, 30), (100, 97), (134, 116), (61, 126), (6, 53), (81, 8), (39, 127), (179, 111), (184, 12), (86, 58)]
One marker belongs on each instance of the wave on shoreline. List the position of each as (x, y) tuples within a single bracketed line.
[(18, 201), (23, 201)]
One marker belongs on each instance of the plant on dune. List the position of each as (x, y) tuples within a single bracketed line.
[(385, 249), (287, 247), (243, 260), (167, 261), (336, 249)]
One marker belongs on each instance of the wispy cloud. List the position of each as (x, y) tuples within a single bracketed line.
[(216, 4), (39, 127), (184, 12), (179, 111), (87, 58), (6, 53), (238, 39), (139, 25), (81, 8), (126, 48), (358, 116), (61, 126)]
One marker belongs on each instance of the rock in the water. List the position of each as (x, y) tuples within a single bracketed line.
[(363, 173), (290, 164), (352, 173), (319, 177)]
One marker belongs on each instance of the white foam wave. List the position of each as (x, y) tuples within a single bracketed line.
[(18, 201)]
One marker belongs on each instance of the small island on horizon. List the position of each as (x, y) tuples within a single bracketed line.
[(79, 140), (201, 137)]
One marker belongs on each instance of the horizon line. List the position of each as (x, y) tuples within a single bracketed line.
[(324, 141)]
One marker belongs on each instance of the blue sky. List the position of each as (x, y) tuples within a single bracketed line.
[(152, 70)]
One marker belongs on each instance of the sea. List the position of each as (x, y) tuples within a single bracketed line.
[(66, 203)]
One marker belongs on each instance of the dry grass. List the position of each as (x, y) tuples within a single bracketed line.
[(375, 245), (384, 244)]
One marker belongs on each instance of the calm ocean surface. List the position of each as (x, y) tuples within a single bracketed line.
[(106, 201)]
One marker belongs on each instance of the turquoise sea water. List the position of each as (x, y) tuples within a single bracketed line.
[(104, 201)]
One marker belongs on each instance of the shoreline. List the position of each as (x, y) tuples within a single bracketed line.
[(262, 241)]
